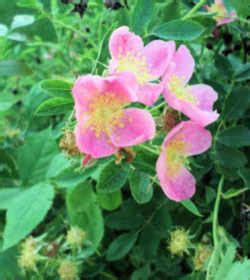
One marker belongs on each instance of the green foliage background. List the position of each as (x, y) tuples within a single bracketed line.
[(44, 46)]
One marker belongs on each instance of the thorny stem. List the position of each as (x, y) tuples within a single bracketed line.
[(215, 229), (194, 9)]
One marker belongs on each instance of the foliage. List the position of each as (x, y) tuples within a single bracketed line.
[(127, 221)]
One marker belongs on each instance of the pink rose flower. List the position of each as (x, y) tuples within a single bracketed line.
[(196, 102), (146, 63), (222, 15), (103, 123), (186, 139)]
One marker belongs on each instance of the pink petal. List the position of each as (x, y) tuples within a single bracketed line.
[(178, 188), (205, 95), (182, 65), (89, 144), (138, 127), (85, 88), (198, 115), (158, 55), (202, 111), (123, 85), (123, 41), (197, 138), (149, 93)]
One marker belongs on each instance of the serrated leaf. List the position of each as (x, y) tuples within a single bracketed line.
[(180, 30), (121, 246), (141, 187), (113, 177), (236, 104), (7, 195), (25, 212), (242, 73), (54, 106), (110, 201), (142, 13), (57, 88), (237, 136), (84, 212), (229, 157), (33, 158)]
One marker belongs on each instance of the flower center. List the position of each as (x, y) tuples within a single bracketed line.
[(181, 91), (135, 63), (175, 156), (219, 9), (105, 112)]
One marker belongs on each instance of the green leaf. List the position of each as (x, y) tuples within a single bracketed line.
[(191, 207), (233, 192), (226, 264), (7, 195), (237, 136), (3, 30), (128, 217), (34, 157), (236, 104), (113, 177), (244, 173), (121, 246), (242, 73), (7, 101), (25, 212), (110, 201), (229, 157), (142, 13), (179, 30), (84, 212), (242, 7), (141, 187), (57, 88), (22, 20), (13, 68), (54, 106), (171, 11), (142, 273), (224, 66), (57, 165), (8, 265)]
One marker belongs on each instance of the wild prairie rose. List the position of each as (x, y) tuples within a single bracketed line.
[(104, 125), (186, 139), (196, 101), (146, 63), (222, 16)]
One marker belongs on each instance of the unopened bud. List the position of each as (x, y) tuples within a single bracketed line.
[(75, 237)]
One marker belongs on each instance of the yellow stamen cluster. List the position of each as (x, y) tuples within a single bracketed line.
[(202, 253), (75, 237), (105, 112), (135, 63), (219, 10), (67, 270), (175, 156), (179, 242), (181, 91), (28, 255)]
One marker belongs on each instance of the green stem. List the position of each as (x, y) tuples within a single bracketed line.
[(157, 107), (216, 212), (194, 9), (209, 275)]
